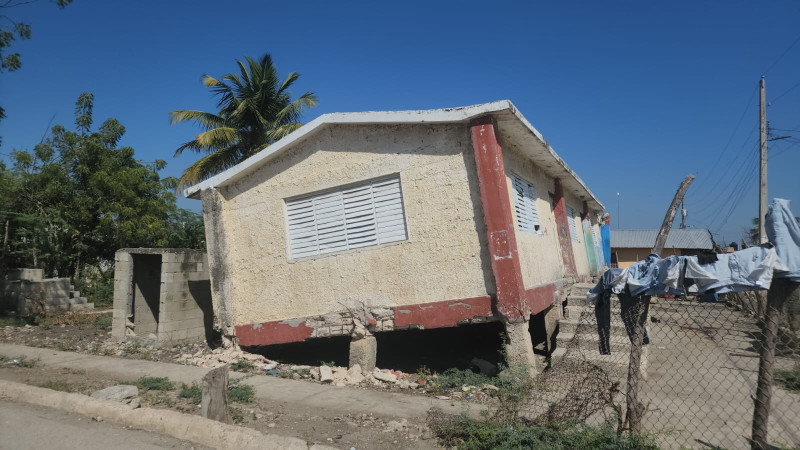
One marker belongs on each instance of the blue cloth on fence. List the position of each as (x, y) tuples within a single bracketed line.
[(784, 231), (648, 277), (746, 270), (602, 286)]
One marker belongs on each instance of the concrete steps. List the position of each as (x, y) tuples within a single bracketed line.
[(573, 326), (591, 341)]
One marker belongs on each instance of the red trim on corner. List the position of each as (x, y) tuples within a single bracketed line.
[(541, 297), (496, 206), (562, 228), (269, 333), (442, 314)]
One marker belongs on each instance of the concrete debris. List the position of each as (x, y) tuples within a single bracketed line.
[(220, 357), (325, 374), (394, 425), (123, 393), (384, 375)]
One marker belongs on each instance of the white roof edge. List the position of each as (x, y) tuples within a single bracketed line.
[(377, 117)]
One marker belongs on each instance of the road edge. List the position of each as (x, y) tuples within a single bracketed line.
[(181, 426)]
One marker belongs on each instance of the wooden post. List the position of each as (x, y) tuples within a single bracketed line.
[(636, 409), (661, 239), (779, 291), (215, 395)]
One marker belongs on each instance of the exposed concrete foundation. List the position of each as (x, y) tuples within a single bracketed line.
[(162, 295), (519, 347), (364, 352), (28, 293)]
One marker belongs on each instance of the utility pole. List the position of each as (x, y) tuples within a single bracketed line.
[(762, 178)]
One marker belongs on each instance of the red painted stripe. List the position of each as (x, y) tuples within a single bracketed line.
[(442, 314), (541, 297), (562, 228), (496, 206), (269, 333)]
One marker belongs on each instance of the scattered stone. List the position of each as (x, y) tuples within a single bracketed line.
[(354, 375), (394, 425), (123, 393), (490, 387), (325, 374), (387, 377)]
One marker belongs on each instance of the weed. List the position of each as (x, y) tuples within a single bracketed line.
[(453, 379), (192, 394), (243, 365), (328, 363), (16, 321), (465, 432), (23, 361), (790, 379), (240, 393), (236, 414), (59, 385), (161, 398), (154, 384), (103, 322), (64, 346), (4, 359)]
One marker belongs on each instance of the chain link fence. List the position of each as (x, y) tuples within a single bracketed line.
[(697, 376)]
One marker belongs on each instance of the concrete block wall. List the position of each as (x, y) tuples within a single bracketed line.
[(184, 295), (27, 292)]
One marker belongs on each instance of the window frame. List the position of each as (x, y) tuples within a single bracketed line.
[(341, 188), (515, 177)]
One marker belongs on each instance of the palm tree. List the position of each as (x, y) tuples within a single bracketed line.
[(255, 110)]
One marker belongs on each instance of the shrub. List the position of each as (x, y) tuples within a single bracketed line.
[(192, 394), (154, 384), (240, 393), (242, 365), (465, 432), (103, 322), (790, 379)]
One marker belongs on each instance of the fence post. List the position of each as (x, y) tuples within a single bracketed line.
[(779, 291), (635, 409), (215, 395)]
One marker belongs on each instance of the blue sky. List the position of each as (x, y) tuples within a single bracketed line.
[(633, 95)]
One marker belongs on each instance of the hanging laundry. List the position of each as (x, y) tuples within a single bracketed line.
[(784, 231), (746, 270), (647, 277)]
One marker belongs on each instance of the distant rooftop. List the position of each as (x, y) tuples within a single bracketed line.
[(677, 238)]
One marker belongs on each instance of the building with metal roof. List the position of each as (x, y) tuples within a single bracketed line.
[(629, 246)]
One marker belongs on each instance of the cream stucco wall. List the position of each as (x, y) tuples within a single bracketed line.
[(444, 258), (578, 247), (539, 254)]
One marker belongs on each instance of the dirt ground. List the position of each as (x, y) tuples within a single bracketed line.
[(344, 431)]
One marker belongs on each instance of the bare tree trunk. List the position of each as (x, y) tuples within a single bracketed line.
[(3, 261), (635, 407), (779, 291), (35, 261), (661, 239)]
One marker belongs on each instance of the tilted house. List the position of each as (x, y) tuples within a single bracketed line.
[(361, 223)]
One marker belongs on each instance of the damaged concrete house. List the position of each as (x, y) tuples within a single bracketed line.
[(370, 222)]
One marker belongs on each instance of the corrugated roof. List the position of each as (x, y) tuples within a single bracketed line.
[(677, 238)]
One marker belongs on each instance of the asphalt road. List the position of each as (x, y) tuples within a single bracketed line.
[(24, 426)]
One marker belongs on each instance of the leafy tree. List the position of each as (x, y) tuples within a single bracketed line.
[(78, 197), (255, 110), (754, 233), (11, 30)]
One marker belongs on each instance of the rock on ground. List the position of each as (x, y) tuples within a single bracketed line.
[(122, 393)]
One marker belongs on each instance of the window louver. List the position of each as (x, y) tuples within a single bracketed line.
[(573, 230), (353, 217), (525, 205)]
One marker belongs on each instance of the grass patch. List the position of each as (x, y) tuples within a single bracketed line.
[(191, 393), (454, 379), (243, 365), (23, 361), (790, 379), (240, 393), (16, 321), (154, 384), (58, 385), (103, 322), (465, 432), (236, 414)]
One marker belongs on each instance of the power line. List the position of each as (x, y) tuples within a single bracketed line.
[(744, 151), (782, 55), (747, 167), (730, 139), (785, 92)]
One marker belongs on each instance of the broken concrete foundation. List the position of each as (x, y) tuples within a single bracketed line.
[(364, 352), (519, 348), (162, 295), (26, 292)]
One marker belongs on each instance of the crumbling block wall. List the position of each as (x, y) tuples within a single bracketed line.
[(184, 309), (27, 293)]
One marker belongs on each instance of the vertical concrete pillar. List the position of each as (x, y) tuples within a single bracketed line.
[(519, 346), (364, 352), (123, 293), (500, 233), (213, 215)]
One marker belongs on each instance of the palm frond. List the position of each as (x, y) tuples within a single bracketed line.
[(217, 138), (204, 119)]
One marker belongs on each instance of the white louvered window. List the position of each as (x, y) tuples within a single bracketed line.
[(357, 216), (573, 230), (525, 205), (596, 235)]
